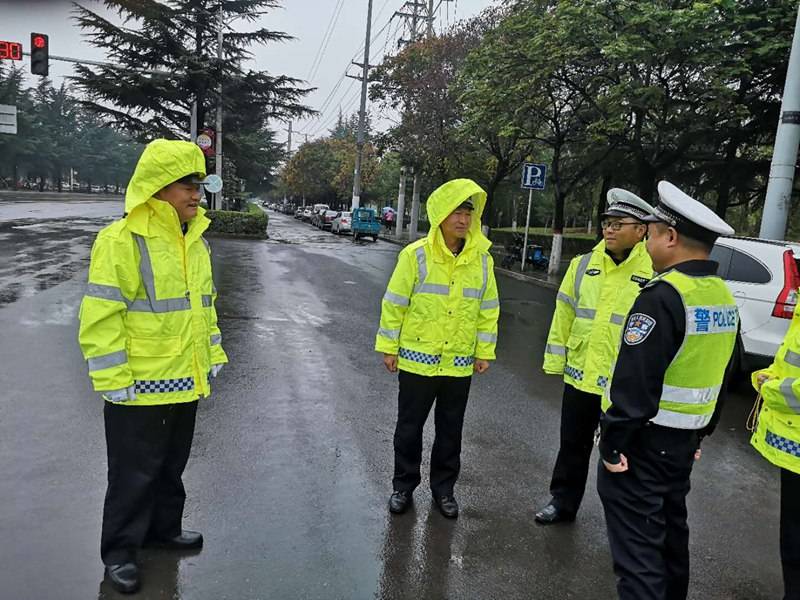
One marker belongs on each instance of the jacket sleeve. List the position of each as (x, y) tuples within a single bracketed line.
[(101, 334), (395, 304), (488, 316), (555, 352)]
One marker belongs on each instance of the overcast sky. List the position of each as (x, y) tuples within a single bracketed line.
[(306, 20)]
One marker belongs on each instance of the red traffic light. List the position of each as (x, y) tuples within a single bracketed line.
[(40, 54), (39, 41)]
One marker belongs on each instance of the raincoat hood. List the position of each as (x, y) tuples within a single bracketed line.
[(162, 162), (445, 199)]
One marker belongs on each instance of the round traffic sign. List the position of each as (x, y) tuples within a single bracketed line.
[(204, 141), (213, 183)]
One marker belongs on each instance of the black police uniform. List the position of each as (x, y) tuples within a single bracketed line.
[(645, 506)]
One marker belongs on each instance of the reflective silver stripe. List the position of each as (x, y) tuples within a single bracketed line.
[(423, 266), (788, 394), (473, 293), (555, 349), (564, 298), (793, 358), (683, 395), (396, 298), (489, 304), (579, 273), (160, 306), (114, 359), (207, 300), (433, 288), (149, 283), (216, 338), (487, 337), (669, 418), (585, 313), (617, 319), (105, 292), (392, 334)]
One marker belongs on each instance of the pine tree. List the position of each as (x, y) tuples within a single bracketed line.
[(179, 39)]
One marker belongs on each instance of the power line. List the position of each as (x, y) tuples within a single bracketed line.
[(326, 38)]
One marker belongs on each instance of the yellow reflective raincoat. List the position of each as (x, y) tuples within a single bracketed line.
[(591, 306), (440, 311), (148, 326)]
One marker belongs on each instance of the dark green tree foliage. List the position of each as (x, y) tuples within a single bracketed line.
[(55, 134), (179, 38)]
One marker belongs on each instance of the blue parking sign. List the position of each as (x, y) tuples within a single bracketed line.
[(533, 176)]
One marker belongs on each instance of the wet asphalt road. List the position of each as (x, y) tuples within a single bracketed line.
[(291, 465)]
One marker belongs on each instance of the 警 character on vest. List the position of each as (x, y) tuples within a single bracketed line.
[(592, 302), (438, 326), (665, 396), (777, 438), (148, 329)]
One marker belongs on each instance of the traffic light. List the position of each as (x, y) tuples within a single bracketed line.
[(40, 54)]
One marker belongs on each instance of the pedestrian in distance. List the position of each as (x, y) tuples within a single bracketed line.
[(438, 326), (388, 220), (777, 439), (665, 396), (592, 302), (148, 329)]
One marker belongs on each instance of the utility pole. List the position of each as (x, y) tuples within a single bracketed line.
[(784, 155), (218, 141), (289, 153), (362, 113)]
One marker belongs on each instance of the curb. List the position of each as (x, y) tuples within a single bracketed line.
[(527, 278)]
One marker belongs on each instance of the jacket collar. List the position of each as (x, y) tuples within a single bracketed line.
[(637, 252), (144, 218)]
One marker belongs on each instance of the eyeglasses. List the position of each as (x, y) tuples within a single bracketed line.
[(616, 225)]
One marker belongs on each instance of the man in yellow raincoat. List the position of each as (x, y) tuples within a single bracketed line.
[(148, 330), (777, 438), (438, 326)]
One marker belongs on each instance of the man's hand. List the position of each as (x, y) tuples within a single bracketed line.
[(697, 454), (390, 362), (762, 379), (481, 366), (620, 467)]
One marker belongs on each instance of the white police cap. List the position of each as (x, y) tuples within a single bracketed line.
[(687, 215), (622, 203)]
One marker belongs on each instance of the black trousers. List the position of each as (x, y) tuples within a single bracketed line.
[(148, 447), (417, 395), (790, 533), (645, 509), (580, 415)]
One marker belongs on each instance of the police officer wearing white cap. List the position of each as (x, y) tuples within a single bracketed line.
[(664, 397), (595, 295)]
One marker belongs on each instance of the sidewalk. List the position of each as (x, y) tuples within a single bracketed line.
[(531, 275)]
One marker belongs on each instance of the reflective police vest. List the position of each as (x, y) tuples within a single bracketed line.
[(592, 303), (694, 378), (777, 436)]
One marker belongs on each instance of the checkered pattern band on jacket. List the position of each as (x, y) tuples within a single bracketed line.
[(463, 361), (420, 357), (602, 381), (782, 444), (160, 386), (576, 374)]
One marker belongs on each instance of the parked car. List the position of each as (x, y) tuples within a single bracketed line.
[(326, 218), (341, 223), (764, 277), (298, 214), (307, 213), (364, 223)]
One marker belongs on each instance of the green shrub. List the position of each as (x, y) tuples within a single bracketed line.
[(570, 246), (252, 223)]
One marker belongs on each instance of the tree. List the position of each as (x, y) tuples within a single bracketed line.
[(179, 39)]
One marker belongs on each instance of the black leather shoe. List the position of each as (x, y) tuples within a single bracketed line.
[(399, 502), (550, 515), (124, 577), (187, 540), (447, 506)]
